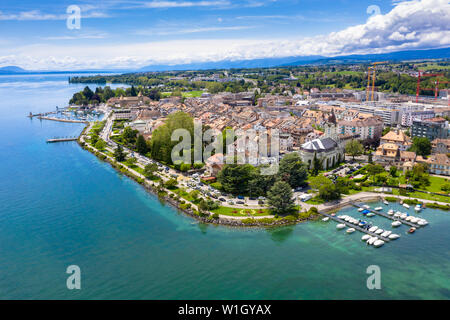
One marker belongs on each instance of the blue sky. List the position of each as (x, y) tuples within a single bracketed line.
[(130, 34)]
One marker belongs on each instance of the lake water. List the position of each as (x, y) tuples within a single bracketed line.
[(61, 206)]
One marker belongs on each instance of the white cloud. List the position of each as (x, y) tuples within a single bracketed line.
[(183, 4), (409, 25), (37, 15), (165, 32)]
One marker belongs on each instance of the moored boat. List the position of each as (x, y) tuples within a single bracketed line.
[(396, 224), (378, 243), (406, 205), (378, 208), (325, 219), (373, 229), (379, 231), (385, 202), (393, 236), (340, 226), (365, 237), (350, 230), (370, 214), (361, 209), (412, 230), (372, 240)]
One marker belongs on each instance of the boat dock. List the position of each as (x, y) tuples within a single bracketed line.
[(356, 227), (62, 120), (54, 140), (387, 216)]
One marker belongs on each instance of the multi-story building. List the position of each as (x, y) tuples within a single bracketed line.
[(430, 128), (398, 138), (409, 116), (440, 146), (438, 164), (367, 128)]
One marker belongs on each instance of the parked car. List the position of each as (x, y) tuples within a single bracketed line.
[(240, 202), (261, 198), (240, 197), (231, 202), (252, 198), (222, 199)]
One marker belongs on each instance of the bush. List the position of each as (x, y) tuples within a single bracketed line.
[(438, 206), (391, 199), (215, 216)]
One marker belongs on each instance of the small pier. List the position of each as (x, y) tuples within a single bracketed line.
[(387, 216), (63, 120), (356, 227), (66, 139)]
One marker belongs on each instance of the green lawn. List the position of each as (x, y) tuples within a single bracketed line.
[(237, 212)]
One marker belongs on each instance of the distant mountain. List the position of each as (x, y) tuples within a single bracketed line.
[(392, 56), (11, 69), (304, 60), (229, 64)]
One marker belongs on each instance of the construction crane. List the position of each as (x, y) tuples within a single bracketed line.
[(373, 68), (435, 89)]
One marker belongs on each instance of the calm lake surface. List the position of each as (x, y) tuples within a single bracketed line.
[(61, 206)]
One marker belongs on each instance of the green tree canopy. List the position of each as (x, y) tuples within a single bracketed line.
[(292, 170), (354, 148), (280, 197), (421, 146)]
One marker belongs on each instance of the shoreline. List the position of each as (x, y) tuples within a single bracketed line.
[(247, 222)]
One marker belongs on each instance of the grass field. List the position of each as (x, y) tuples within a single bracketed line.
[(189, 94), (237, 212)]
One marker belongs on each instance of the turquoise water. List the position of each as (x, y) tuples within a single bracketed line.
[(59, 205)]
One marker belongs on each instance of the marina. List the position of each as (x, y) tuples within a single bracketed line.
[(380, 213)]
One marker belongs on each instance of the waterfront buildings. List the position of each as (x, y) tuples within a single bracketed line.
[(440, 146)]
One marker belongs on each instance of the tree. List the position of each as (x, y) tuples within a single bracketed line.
[(370, 157), (386, 130), (195, 194), (280, 197), (316, 165), (393, 171), (235, 178), (421, 146), (100, 145), (131, 162), (141, 145), (171, 184), (129, 135), (149, 170), (162, 144), (354, 148), (327, 189), (292, 170), (374, 169), (119, 155)]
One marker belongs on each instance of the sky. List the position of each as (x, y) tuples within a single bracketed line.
[(127, 34)]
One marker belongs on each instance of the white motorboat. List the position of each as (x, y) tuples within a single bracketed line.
[(397, 214), (390, 212), (340, 226), (385, 202), (386, 234), (350, 230), (418, 207), (408, 218), (361, 209), (341, 217), (373, 229), (406, 205), (379, 231), (378, 243), (372, 240), (396, 224), (370, 214), (378, 208), (403, 215), (414, 220), (347, 219), (393, 236), (366, 206), (366, 237), (325, 219)]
